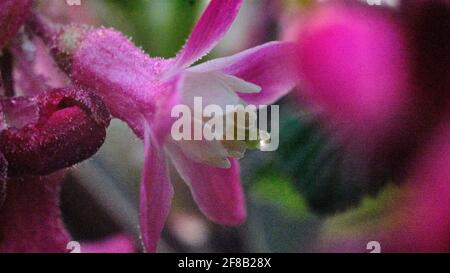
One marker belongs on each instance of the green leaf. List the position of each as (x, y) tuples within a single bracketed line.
[(320, 169), (370, 216), (276, 189), (161, 27)]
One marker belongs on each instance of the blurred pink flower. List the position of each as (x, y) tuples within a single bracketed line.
[(379, 74), (353, 60), (383, 77)]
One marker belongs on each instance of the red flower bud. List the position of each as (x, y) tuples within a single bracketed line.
[(70, 126)]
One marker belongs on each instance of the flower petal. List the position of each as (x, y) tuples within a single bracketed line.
[(217, 191), (30, 219), (162, 120), (210, 152), (71, 127), (212, 26), (156, 193), (210, 87), (271, 66)]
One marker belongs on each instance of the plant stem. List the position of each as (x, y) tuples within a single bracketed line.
[(6, 72)]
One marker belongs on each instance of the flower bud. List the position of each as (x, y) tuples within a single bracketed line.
[(69, 127)]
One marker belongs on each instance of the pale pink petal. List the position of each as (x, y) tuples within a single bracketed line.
[(30, 219), (271, 66), (115, 244), (210, 152), (212, 26), (156, 194), (211, 87), (217, 191)]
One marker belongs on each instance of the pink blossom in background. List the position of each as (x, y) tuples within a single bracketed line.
[(353, 62), (382, 77)]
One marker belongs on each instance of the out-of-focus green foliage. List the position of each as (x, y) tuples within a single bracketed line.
[(279, 219), (320, 169), (275, 231), (276, 189), (371, 215), (159, 26)]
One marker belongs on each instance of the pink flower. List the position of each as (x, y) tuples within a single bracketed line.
[(353, 60), (380, 74), (141, 90), (383, 76)]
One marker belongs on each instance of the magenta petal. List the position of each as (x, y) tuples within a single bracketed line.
[(272, 66), (161, 120), (156, 194), (217, 191), (212, 26), (116, 244), (30, 219)]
